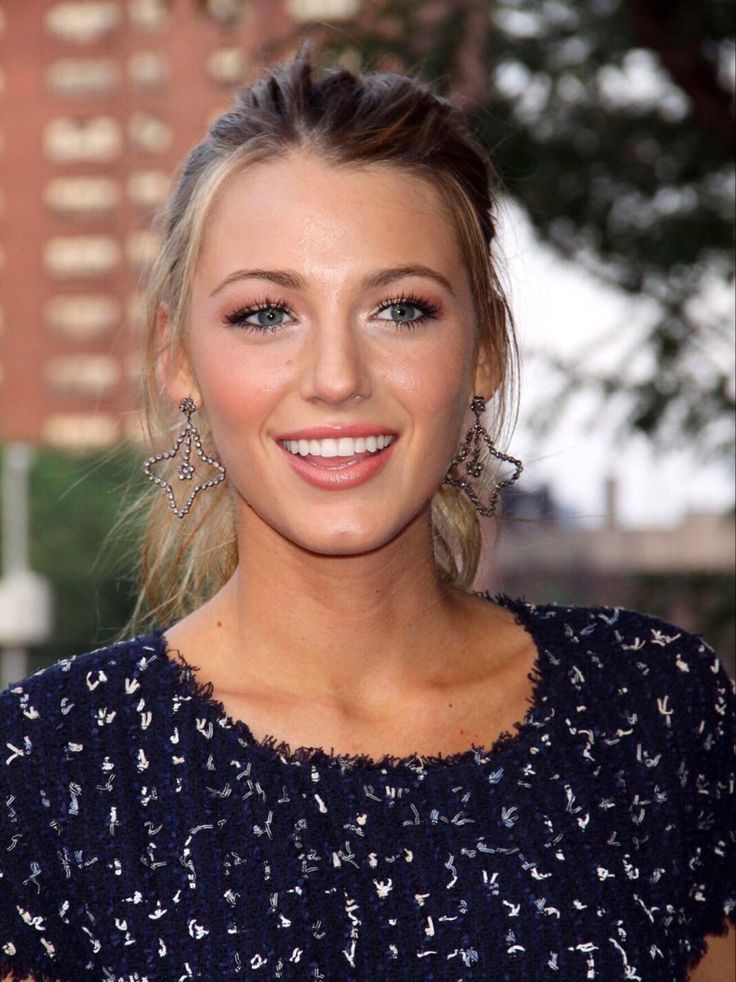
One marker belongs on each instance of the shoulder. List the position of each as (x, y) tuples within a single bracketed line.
[(654, 693), (620, 637), (100, 670), (635, 665), (53, 709), (57, 727), (684, 670)]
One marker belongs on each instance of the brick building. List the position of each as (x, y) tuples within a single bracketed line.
[(99, 101)]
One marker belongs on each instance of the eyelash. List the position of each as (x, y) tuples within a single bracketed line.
[(429, 311), (237, 317)]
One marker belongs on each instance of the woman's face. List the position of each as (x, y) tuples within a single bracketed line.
[(331, 310)]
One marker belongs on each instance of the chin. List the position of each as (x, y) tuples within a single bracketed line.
[(349, 537), (342, 542), (334, 529)]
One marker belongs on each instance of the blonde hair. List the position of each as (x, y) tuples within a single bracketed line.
[(345, 119)]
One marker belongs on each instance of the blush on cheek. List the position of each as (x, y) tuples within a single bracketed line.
[(439, 385), (239, 386)]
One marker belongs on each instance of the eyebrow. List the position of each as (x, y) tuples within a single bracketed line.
[(293, 281)]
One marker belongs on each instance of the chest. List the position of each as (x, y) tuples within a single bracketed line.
[(446, 722), (303, 872)]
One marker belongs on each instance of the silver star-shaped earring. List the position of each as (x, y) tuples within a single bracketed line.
[(189, 436), (476, 436)]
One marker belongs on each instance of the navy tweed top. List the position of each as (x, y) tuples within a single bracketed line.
[(145, 836)]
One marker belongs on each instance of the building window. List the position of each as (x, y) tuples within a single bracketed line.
[(81, 255), (136, 311), (82, 318), (80, 430), (226, 11), (147, 69), (80, 196), (89, 376), (83, 23), (97, 139), (227, 66), (148, 189), (148, 15), (149, 133), (141, 248), (322, 9), (73, 77)]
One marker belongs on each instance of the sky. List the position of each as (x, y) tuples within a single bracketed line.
[(560, 307)]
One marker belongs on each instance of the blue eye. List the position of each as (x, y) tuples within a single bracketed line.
[(403, 312), (410, 311), (269, 315)]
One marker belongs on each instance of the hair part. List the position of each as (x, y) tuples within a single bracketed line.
[(345, 120)]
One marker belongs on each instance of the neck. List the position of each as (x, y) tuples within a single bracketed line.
[(343, 626)]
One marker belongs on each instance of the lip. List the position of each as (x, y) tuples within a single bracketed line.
[(339, 429), (338, 478)]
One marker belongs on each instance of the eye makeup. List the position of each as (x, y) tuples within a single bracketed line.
[(428, 310), (238, 317)]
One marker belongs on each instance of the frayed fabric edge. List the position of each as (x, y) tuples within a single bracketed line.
[(203, 691), (10, 972), (701, 947)]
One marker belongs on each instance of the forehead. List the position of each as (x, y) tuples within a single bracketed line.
[(321, 214)]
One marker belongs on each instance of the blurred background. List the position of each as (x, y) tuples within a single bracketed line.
[(611, 124)]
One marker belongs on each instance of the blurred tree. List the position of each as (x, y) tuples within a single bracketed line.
[(75, 501), (610, 122)]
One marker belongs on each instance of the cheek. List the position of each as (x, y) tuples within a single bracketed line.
[(238, 384), (433, 381)]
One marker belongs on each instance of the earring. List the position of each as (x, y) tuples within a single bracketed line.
[(188, 436), (474, 466)]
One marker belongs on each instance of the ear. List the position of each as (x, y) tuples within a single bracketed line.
[(486, 378), (173, 368)]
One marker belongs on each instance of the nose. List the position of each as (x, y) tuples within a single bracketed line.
[(336, 368)]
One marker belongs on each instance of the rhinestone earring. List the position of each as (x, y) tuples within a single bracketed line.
[(186, 470), (473, 437)]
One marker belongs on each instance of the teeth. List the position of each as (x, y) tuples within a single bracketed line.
[(345, 446)]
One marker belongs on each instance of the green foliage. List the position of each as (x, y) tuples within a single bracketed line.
[(74, 504), (610, 122)]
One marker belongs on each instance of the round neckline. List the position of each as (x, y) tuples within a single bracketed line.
[(201, 693)]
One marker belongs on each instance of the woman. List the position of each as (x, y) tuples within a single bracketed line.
[(327, 321)]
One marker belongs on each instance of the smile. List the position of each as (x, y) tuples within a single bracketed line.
[(339, 463), (343, 446)]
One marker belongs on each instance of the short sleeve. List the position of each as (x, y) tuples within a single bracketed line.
[(30, 943), (708, 702)]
